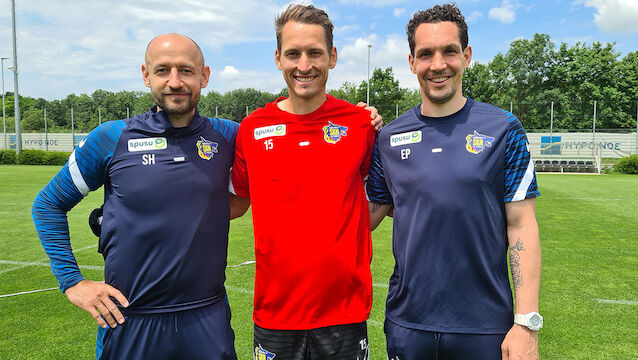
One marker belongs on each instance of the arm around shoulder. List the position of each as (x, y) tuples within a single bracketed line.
[(377, 213), (238, 205)]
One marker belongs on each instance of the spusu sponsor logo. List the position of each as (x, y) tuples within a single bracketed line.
[(269, 131), (147, 144)]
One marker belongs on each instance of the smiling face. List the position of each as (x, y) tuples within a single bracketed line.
[(439, 62), (175, 72), (304, 59)]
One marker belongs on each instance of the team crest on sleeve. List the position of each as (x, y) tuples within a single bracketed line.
[(206, 148), (478, 142), (262, 354), (333, 132)]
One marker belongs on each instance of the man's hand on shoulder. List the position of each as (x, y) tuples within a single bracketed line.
[(377, 120), (520, 343), (95, 298)]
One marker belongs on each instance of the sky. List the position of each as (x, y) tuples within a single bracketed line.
[(79, 46)]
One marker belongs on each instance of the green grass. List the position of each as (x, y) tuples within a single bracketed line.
[(589, 232)]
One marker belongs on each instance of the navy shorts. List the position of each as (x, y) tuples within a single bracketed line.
[(411, 344), (339, 342), (201, 333)]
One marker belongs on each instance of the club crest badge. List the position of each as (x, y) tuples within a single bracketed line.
[(333, 132), (206, 148), (262, 354), (478, 142)]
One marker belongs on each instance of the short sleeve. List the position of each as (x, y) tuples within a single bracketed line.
[(239, 173), (520, 178), (376, 187)]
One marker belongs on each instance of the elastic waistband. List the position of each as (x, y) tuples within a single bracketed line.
[(173, 307)]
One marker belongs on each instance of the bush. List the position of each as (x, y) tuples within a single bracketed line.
[(7, 157), (31, 157), (41, 157), (627, 165), (57, 157)]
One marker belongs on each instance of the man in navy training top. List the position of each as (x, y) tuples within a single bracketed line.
[(458, 176), (164, 232)]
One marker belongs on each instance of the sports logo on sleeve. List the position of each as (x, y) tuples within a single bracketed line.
[(406, 138), (269, 131), (333, 132), (206, 148), (147, 144), (478, 142), (262, 354)]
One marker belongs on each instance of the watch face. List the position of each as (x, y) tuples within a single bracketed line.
[(535, 320)]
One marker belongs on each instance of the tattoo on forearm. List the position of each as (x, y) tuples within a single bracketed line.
[(375, 207), (515, 264)]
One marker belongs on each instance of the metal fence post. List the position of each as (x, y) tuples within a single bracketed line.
[(215, 111), (99, 115), (46, 131), (551, 129), (593, 129), (72, 132)]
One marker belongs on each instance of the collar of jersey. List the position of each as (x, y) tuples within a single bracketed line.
[(159, 123)]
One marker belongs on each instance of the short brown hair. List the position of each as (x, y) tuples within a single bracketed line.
[(436, 14), (304, 14)]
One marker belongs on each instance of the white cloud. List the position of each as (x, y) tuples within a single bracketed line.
[(474, 15), (229, 73), (391, 51), (231, 78), (505, 13), (615, 16), (339, 30), (373, 3), (78, 46), (398, 12)]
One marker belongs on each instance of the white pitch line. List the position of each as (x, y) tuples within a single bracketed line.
[(28, 292), (39, 262), (239, 289), (618, 302), (23, 264), (241, 264), (380, 285)]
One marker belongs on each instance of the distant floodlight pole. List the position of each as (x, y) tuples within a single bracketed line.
[(368, 92), (16, 96), (4, 121)]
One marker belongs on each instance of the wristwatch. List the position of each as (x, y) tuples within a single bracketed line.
[(532, 320)]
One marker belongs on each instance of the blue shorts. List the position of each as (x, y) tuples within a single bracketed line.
[(201, 333), (409, 344)]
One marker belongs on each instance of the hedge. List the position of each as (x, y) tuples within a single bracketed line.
[(627, 165), (34, 157)]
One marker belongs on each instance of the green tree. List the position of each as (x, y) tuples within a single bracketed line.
[(32, 120)]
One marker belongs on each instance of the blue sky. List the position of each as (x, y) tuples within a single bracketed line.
[(78, 46)]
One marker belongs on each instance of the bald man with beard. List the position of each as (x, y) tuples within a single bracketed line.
[(164, 232)]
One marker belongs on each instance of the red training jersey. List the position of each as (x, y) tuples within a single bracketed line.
[(304, 176)]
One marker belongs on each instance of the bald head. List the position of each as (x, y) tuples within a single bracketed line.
[(173, 43), (174, 69)]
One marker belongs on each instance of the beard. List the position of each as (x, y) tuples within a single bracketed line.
[(182, 107), (440, 99)]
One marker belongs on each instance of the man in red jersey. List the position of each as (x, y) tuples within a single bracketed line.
[(301, 162)]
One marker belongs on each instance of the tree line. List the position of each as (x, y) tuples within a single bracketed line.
[(526, 79)]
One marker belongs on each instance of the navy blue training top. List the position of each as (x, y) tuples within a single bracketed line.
[(166, 212), (448, 179)]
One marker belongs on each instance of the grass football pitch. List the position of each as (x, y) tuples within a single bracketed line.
[(589, 290)]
